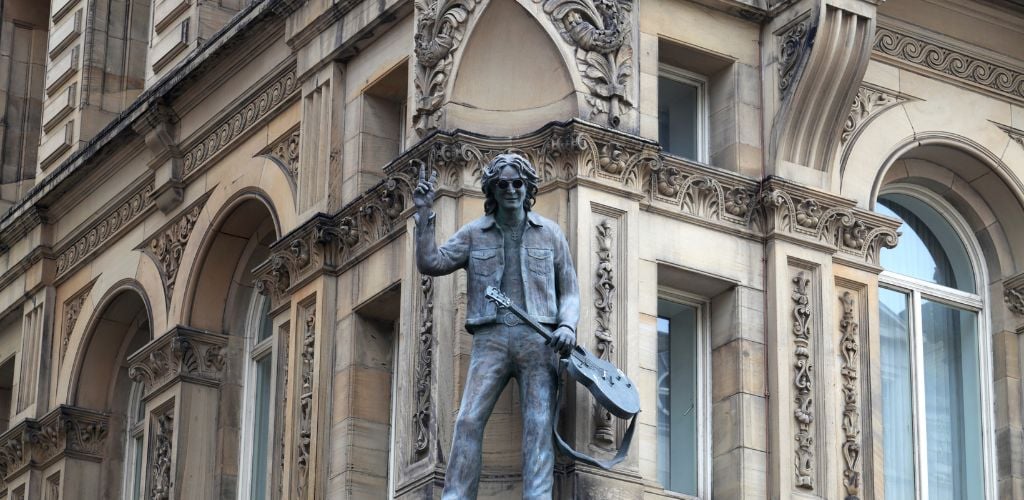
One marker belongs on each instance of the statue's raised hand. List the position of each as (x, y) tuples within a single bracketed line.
[(423, 195)]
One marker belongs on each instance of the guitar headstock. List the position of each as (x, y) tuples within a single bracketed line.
[(499, 299)]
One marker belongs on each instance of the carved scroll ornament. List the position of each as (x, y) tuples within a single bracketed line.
[(161, 459), (849, 348), (304, 431), (440, 27), (168, 246), (803, 384), (424, 367), (43, 441), (604, 302), (180, 353)]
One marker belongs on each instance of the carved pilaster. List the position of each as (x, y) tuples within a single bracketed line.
[(423, 416), (167, 247), (803, 381), (304, 429), (604, 303), (181, 354), (601, 33), (161, 458), (440, 27), (849, 349)]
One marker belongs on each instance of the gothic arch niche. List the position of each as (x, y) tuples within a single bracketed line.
[(102, 382), (512, 79)]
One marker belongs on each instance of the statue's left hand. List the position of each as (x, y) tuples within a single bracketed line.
[(563, 340)]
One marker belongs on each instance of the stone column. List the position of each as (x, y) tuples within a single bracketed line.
[(181, 371)]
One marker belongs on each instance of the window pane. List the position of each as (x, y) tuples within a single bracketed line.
[(897, 408), (261, 429), (952, 402), (266, 326), (677, 397), (136, 460), (929, 248), (678, 119)]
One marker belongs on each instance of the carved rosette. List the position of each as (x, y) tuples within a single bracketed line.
[(181, 353), (304, 431), (803, 368), (167, 247), (849, 348), (601, 32), (424, 367), (440, 27), (604, 302), (161, 459)]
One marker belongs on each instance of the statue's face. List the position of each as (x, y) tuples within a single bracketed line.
[(510, 190)]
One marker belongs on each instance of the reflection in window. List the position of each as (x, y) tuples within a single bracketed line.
[(681, 113), (930, 357), (678, 408)]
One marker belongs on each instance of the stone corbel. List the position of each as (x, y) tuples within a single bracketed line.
[(822, 48), (1013, 294), (158, 125), (183, 353)]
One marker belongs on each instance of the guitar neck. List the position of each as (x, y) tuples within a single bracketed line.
[(541, 329)]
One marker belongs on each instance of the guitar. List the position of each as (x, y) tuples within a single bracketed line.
[(609, 386)]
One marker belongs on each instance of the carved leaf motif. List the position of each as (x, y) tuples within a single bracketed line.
[(849, 344), (868, 102), (802, 382)]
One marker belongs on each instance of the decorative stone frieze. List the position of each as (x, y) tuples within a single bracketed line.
[(244, 119), (107, 228), (578, 153), (1013, 294), (72, 309), (918, 51), (440, 27), (1016, 135), (66, 431), (167, 247), (849, 349), (803, 381), (604, 302), (183, 353), (423, 415), (304, 429), (601, 33), (285, 153), (161, 458)]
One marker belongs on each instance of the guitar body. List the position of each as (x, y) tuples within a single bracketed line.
[(609, 386)]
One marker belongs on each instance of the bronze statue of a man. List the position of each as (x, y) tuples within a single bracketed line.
[(527, 257)]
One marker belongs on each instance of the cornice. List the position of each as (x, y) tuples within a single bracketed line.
[(924, 53), (66, 431), (181, 354)]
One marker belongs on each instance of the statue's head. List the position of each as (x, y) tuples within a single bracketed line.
[(499, 182)]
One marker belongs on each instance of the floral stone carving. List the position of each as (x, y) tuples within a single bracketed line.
[(424, 366), (849, 345), (802, 382), (440, 27), (183, 352), (167, 247)]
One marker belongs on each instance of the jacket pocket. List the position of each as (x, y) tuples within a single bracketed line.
[(540, 261), (484, 262)]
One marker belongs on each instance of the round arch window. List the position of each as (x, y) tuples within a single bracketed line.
[(930, 312)]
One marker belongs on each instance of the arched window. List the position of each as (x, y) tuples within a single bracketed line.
[(135, 423), (932, 333), (257, 436)]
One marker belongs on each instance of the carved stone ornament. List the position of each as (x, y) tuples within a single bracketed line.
[(161, 460), (803, 381), (424, 367), (285, 153), (870, 102), (304, 431), (440, 27), (242, 120), (1013, 294), (601, 32), (917, 50), (604, 302), (72, 309), (849, 349), (577, 152), (167, 247), (1016, 135), (793, 43), (64, 431), (110, 226), (183, 352)]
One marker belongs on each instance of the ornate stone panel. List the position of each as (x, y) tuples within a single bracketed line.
[(849, 350), (794, 44), (242, 120), (440, 27), (870, 101), (72, 309), (423, 415), (604, 305), (601, 33), (168, 245), (64, 432), (161, 458), (110, 226), (919, 51), (803, 384), (180, 354), (304, 429), (285, 153)]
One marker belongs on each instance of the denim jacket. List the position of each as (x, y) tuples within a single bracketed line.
[(549, 278)]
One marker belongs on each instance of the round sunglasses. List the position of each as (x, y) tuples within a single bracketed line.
[(516, 183)]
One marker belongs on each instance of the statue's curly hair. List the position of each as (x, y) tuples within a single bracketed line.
[(493, 170)]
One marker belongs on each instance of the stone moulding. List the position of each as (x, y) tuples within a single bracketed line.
[(66, 431), (252, 112), (167, 246), (105, 230), (849, 349), (571, 154), (918, 51), (803, 367), (183, 353)]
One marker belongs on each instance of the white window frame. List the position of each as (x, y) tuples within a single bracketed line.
[(703, 119), (253, 353), (134, 431), (704, 422), (918, 290)]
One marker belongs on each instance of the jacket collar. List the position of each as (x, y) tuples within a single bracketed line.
[(531, 217)]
